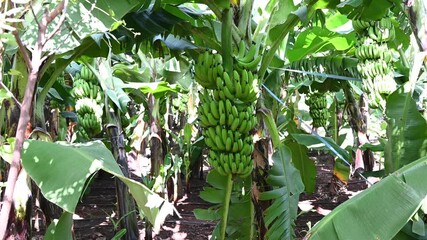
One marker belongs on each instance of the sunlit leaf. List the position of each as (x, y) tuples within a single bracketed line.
[(281, 11), (84, 19), (317, 39), (380, 211), (287, 185), (406, 131), (316, 143), (304, 164), (60, 228), (84, 159), (158, 89)]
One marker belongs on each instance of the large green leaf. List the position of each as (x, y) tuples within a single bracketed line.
[(280, 10), (304, 164), (279, 32), (239, 223), (151, 22), (367, 9), (60, 228), (158, 89), (300, 158), (380, 211), (318, 39), (318, 143), (61, 170), (287, 186), (83, 19), (406, 132)]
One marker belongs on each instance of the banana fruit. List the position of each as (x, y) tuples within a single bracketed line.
[(247, 59), (226, 111), (318, 109), (375, 59), (89, 98), (207, 69)]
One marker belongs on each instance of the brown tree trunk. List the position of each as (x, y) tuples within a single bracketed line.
[(358, 121), (125, 202), (19, 227), (157, 150), (33, 66), (156, 137)]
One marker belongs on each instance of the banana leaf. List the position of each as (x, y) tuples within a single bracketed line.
[(61, 170), (379, 212)]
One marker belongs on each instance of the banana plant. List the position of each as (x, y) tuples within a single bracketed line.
[(368, 216)]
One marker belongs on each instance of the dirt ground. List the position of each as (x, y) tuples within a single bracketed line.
[(94, 213)]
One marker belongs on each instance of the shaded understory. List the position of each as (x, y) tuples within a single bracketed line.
[(95, 211)]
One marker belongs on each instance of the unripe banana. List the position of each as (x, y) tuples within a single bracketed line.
[(249, 56), (219, 143), (214, 106), (235, 124), (228, 83), (212, 120), (227, 168)]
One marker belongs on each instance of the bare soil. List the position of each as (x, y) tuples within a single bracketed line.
[(93, 218)]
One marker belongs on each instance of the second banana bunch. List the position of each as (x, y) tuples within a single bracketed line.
[(227, 109), (375, 58), (89, 98)]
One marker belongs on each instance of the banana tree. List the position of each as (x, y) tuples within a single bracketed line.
[(47, 50)]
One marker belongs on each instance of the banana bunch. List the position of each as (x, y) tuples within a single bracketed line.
[(247, 59), (360, 25), (225, 140), (385, 84), (207, 69), (318, 109), (382, 31), (82, 88), (235, 163), (322, 64), (87, 74), (375, 58), (90, 123), (370, 69), (226, 114), (239, 86), (236, 117), (372, 50), (88, 106)]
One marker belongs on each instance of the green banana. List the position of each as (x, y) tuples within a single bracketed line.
[(227, 169), (214, 109), (228, 144), (235, 124), (219, 143), (249, 55), (204, 122), (228, 94), (210, 143), (252, 65), (228, 83), (212, 120), (242, 49), (224, 136)]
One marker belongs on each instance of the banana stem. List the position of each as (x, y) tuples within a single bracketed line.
[(335, 118), (252, 212), (226, 40), (226, 206)]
